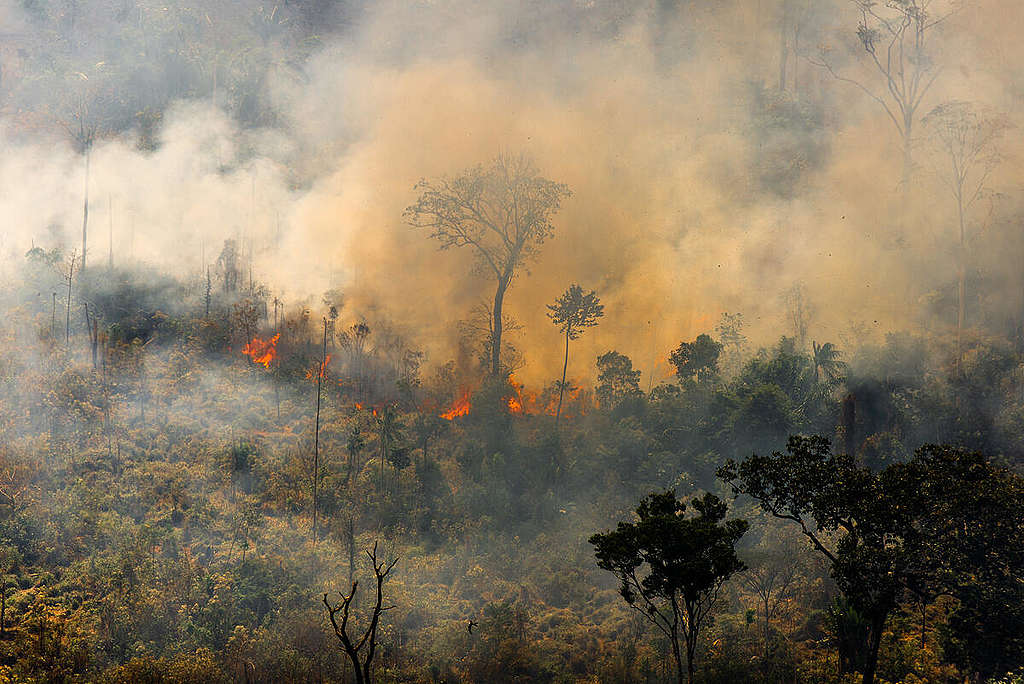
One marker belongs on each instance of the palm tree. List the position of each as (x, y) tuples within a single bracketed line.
[(826, 362)]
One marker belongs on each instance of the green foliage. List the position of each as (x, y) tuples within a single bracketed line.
[(697, 359), (671, 567), (575, 311), (617, 381)]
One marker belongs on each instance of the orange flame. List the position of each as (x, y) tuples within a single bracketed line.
[(263, 352), (459, 408), (320, 371)]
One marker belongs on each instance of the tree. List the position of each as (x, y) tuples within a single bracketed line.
[(697, 359), (68, 274), (320, 374), (574, 312), (896, 37), (772, 578), (672, 567), (361, 665), (946, 522), (826, 362), (502, 211), (825, 493), (616, 379), (966, 139)]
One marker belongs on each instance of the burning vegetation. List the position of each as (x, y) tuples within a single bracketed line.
[(263, 352), (780, 440)]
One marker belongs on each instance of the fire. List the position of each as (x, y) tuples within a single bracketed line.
[(523, 401), (263, 352), (459, 408), (320, 371)]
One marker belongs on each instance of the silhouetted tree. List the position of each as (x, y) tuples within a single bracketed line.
[(946, 522), (361, 664), (502, 210), (966, 139), (574, 312), (671, 566), (616, 379), (896, 37), (697, 359)]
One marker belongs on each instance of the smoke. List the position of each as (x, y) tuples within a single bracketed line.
[(697, 188)]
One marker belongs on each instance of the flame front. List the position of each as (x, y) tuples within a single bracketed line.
[(459, 408), (263, 352)]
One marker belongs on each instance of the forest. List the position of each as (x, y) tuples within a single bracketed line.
[(449, 341)]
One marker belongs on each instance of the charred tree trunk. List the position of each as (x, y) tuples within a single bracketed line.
[(361, 665)]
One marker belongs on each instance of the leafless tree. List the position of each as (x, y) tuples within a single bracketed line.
[(966, 140), (896, 36), (361, 663)]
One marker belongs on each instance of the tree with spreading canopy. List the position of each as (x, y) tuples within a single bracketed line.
[(672, 567), (943, 523), (503, 211), (697, 359)]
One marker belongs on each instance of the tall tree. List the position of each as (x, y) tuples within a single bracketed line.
[(966, 140), (503, 211), (321, 372), (946, 522), (574, 312), (672, 566), (897, 40)]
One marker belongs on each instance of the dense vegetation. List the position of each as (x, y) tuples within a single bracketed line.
[(239, 456), (158, 497)]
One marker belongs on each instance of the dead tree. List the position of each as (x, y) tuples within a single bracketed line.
[(361, 664), (93, 327), (321, 371), (68, 276)]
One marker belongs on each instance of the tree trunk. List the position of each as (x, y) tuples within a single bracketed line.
[(85, 207), (874, 641), (499, 299), (679, 660), (561, 389), (316, 433), (961, 285), (67, 322), (783, 45)]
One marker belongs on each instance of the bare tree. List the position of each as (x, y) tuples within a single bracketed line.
[(321, 372), (68, 274), (896, 37), (502, 211), (966, 140), (361, 664)]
